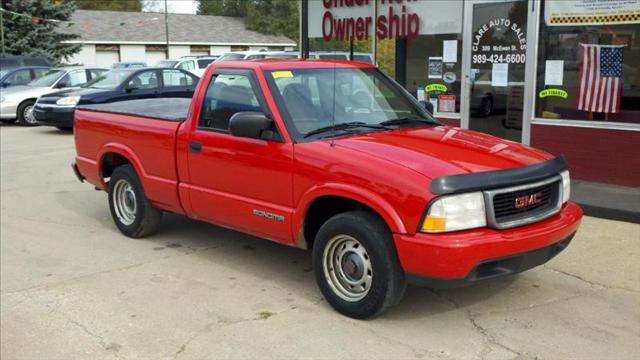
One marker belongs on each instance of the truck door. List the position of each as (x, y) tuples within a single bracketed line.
[(241, 183)]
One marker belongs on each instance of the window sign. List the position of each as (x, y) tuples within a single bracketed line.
[(591, 12), (435, 67), (353, 19), (512, 46), (553, 72)]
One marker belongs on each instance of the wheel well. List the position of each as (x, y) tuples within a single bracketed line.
[(26, 101), (110, 162), (324, 208)]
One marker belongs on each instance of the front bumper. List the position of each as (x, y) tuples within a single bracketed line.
[(465, 257), (54, 116), (8, 110)]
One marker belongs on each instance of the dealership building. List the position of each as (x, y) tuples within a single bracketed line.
[(560, 75), (107, 37)]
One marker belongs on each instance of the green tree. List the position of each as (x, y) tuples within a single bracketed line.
[(277, 17), (114, 5), (235, 8), (35, 34)]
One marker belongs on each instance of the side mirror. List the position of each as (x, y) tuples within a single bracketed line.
[(253, 125), (427, 105)]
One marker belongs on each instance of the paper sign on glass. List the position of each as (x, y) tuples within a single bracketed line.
[(449, 51), (553, 72), (500, 75)]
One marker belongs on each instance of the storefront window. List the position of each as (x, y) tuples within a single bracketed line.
[(434, 58), (588, 72)]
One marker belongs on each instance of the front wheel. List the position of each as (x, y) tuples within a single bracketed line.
[(130, 209), (25, 113), (356, 265)]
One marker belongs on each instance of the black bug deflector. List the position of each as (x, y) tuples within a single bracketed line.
[(451, 184)]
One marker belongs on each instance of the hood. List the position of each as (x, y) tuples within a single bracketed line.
[(24, 92), (442, 150)]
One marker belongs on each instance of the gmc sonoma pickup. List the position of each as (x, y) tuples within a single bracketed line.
[(338, 158)]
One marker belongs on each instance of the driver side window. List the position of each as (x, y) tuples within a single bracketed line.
[(226, 95)]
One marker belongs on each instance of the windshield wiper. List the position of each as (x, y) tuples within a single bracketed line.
[(344, 126), (407, 120)]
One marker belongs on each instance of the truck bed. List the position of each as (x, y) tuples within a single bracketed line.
[(143, 131), (171, 109)]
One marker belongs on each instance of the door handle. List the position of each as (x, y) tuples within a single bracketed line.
[(195, 147)]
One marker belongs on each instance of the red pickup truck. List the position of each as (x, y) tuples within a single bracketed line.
[(338, 158)]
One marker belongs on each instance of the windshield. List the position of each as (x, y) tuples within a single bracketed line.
[(110, 79), (231, 56), (47, 79), (167, 63), (319, 98)]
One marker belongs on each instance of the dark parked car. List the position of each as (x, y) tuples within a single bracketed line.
[(57, 109), (21, 75), (18, 61)]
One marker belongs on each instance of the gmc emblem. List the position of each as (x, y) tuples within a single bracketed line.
[(528, 200)]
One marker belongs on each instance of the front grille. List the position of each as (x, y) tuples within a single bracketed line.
[(524, 204)]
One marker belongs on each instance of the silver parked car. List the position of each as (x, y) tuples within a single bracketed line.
[(16, 103)]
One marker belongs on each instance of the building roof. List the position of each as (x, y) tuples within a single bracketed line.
[(120, 27)]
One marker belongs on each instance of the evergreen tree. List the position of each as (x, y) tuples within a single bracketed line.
[(114, 5), (33, 34)]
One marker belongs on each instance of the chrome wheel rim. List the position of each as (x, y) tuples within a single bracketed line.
[(347, 268), (124, 202), (29, 118)]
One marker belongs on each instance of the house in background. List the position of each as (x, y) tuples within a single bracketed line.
[(113, 36)]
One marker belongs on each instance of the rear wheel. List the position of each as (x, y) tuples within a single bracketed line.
[(25, 113), (130, 209), (356, 265)]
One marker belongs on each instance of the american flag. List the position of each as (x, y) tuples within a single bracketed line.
[(599, 80)]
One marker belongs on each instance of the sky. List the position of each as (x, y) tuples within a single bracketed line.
[(174, 6)]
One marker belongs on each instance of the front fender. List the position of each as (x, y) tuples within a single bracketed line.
[(364, 196)]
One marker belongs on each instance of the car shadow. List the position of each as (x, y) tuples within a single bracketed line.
[(291, 268)]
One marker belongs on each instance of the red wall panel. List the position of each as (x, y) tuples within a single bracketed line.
[(450, 122), (600, 155)]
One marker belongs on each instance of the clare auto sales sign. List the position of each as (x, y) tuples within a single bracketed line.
[(591, 12), (355, 19)]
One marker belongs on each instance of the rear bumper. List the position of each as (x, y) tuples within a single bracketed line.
[(54, 116), (465, 257)]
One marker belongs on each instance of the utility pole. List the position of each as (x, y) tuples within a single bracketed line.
[(166, 26)]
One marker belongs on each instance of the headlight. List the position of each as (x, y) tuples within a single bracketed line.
[(69, 100), (455, 212), (566, 186)]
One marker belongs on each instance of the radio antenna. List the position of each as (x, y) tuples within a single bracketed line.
[(333, 113)]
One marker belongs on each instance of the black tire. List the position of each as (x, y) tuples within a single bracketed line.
[(387, 284), (22, 109), (145, 218)]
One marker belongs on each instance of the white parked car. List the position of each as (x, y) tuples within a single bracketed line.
[(194, 65), (16, 103), (250, 55)]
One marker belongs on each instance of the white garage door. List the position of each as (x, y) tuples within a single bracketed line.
[(107, 58), (153, 57)]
